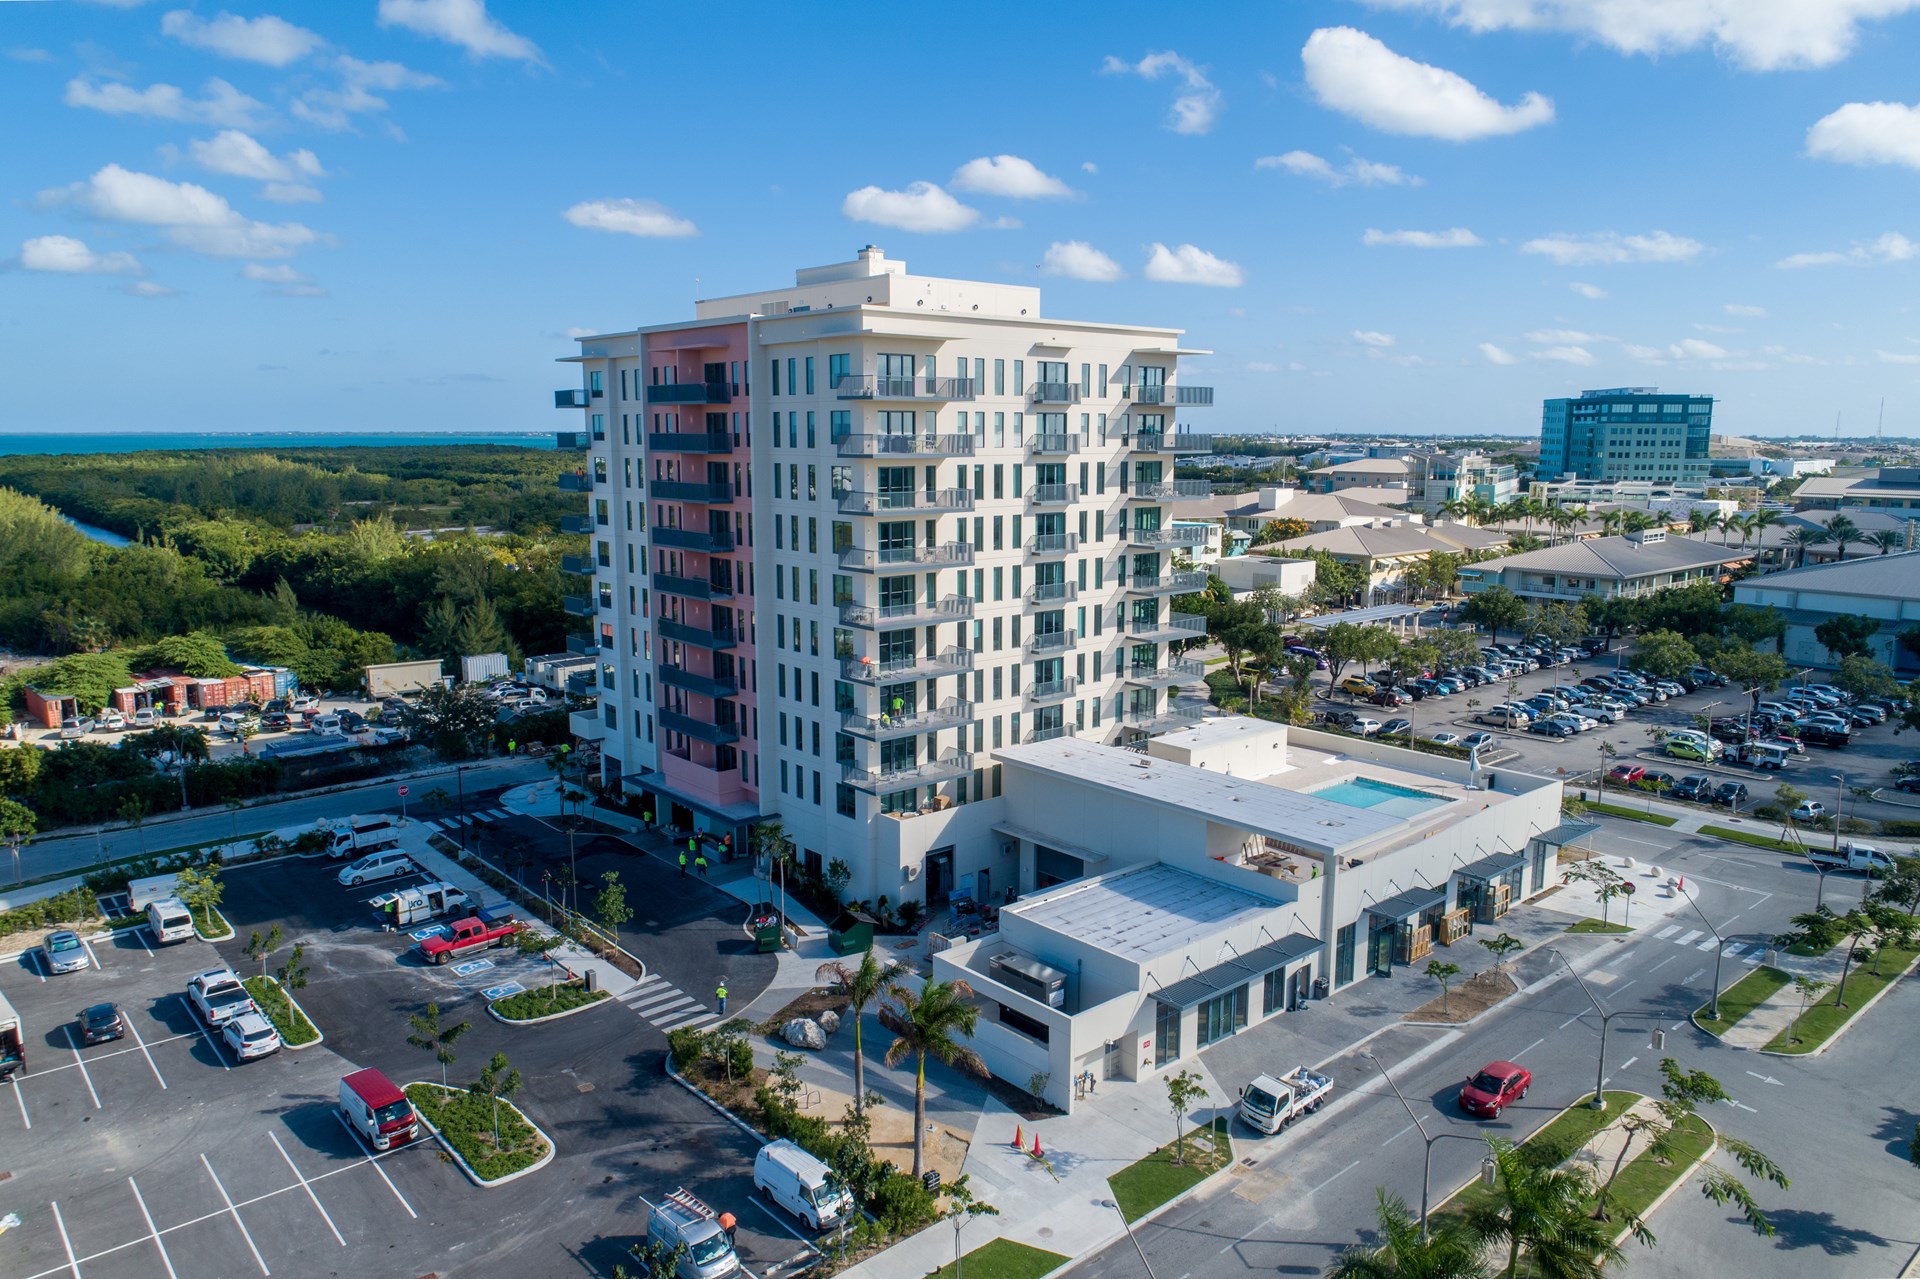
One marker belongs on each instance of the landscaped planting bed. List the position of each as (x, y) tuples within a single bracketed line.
[(1144, 1185), (287, 1018), (1741, 998), (546, 1001), (466, 1121)]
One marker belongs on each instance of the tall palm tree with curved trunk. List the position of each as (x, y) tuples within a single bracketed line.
[(1445, 1252), (864, 982), (925, 1022), (1546, 1210)]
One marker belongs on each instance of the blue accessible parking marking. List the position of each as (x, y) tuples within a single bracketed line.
[(433, 931), (471, 967), (501, 992)]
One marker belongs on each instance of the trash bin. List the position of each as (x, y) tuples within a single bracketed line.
[(1319, 987), (851, 933), (765, 924), (592, 980)]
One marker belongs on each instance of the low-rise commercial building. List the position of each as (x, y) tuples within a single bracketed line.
[(1629, 565), (1886, 488), (1884, 587)]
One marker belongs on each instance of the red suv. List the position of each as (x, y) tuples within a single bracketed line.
[(1626, 774), (1498, 1085)]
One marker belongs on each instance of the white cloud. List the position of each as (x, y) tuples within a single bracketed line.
[(1736, 308), (1010, 176), (629, 217), (1361, 172), (194, 218), (1452, 238), (1186, 264), (1078, 260), (1715, 328), (1590, 291), (1762, 35), (290, 193), (281, 274), (223, 104), (1372, 337), (921, 207), (29, 55), (240, 155), (1498, 355), (1897, 357), (1196, 109), (1567, 355), (1868, 133), (1088, 166), (1353, 73), (272, 41), (335, 108), (1891, 247), (65, 255), (149, 289), (576, 332), (1696, 349), (1565, 337), (463, 22), (1261, 366), (1612, 247)]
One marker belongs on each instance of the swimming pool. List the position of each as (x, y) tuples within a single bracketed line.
[(1383, 797)]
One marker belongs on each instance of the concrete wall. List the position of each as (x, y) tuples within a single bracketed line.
[(1251, 571)]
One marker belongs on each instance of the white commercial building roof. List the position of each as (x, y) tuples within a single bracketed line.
[(1143, 914)]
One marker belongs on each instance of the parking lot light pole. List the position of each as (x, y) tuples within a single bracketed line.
[(460, 782), (1599, 1101), (1719, 950), (1426, 1168)]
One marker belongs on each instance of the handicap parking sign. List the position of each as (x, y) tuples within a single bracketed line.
[(471, 967), (434, 930), (501, 992)]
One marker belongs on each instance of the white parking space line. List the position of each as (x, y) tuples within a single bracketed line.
[(218, 1055), (228, 1200), (146, 1216), (77, 1060), (306, 1186), (20, 1100), (118, 1052), (91, 957), (1529, 1048), (373, 1157), (65, 1242), (144, 1053), (375, 1161), (139, 935), (781, 1221), (1628, 1062), (33, 959)]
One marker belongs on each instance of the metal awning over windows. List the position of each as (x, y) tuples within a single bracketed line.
[(1567, 833), (1238, 971), (1090, 858), (1408, 904), (1492, 867)]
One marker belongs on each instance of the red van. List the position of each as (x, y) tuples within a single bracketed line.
[(377, 1110)]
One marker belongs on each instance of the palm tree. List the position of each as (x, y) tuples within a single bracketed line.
[(1545, 1209), (864, 982), (1888, 539), (1699, 520), (1762, 520), (1446, 1252), (1458, 509), (1637, 521), (1842, 530), (924, 1023), (1612, 521), (1801, 540)]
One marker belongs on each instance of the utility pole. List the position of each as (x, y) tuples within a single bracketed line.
[(1599, 1101), (1487, 1165)]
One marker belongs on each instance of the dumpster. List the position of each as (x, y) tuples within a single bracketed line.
[(765, 923), (851, 933)]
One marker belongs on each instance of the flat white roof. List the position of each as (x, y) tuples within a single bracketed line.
[(1142, 914)]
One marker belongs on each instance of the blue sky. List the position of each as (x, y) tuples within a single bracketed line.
[(1393, 215)]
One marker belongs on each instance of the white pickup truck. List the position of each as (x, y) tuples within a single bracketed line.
[(1268, 1104)]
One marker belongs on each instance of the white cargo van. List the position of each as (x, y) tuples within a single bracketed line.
[(378, 866), (326, 725), (169, 920), (802, 1184), (680, 1219)]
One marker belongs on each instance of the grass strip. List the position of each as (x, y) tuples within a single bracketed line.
[(1591, 925), (1825, 1019), (1147, 1183), (1645, 1178), (1741, 998), (1555, 1141), (270, 998), (544, 1001), (1004, 1259), (467, 1122), (1748, 837), (1629, 814)]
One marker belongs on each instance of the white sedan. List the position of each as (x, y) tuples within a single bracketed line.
[(1446, 739)]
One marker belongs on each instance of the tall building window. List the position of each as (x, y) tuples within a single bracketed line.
[(838, 367), (809, 385)]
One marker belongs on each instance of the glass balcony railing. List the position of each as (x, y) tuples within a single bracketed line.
[(1054, 543), (1172, 535), (1052, 641), (868, 560), (1170, 491), (951, 765), (1055, 393), (1053, 444), (690, 393), (690, 441), (1172, 626), (1053, 690), (574, 399), (576, 481), (1170, 584), (951, 713), (874, 386), (576, 524), (1054, 494), (956, 499), (906, 446), (577, 606), (1053, 592), (916, 612), (948, 661), (713, 493)]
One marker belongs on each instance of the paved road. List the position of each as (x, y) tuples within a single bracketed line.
[(1309, 1193), (71, 854)]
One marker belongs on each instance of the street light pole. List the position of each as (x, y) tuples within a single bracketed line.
[(1426, 1165), (460, 782), (1599, 1101), (1719, 950)]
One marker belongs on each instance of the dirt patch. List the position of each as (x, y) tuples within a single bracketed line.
[(1467, 1000), (810, 1003)]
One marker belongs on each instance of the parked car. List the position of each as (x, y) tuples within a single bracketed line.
[(1339, 719), (1658, 780), (100, 1023), (1394, 727), (1389, 697), (276, 721), (1695, 786), (1505, 717), (143, 717), (1554, 727), (1364, 726), (1626, 774), (1498, 1085), (64, 952), (1454, 739), (217, 997), (250, 1036), (1809, 810), (1910, 783), (1730, 794), (110, 721), (1479, 741), (1354, 686)]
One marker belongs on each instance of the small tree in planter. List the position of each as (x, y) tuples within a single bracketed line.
[(496, 1080), (1444, 974), (429, 1035), (839, 875), (1183, 1090), (1500, 947), (260, 948)]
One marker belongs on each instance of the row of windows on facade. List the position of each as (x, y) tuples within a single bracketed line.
[(800, 374)]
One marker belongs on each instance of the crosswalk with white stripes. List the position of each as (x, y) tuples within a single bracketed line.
[(453, 823), (1699, 939), (667, 1006)]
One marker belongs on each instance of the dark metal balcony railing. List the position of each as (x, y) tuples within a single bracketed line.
[(948, 661), (690, 441), (1054, 494), (907, 446), (690, 393), (1052, 641), (949, 714), (1053, 690), (694, 682), (906, 500), (1054, 543), (873, 386), (701, 730), (1172, 535), (718, 639), (578, 565), (692, 539), (1053, 592), (1170, 490), (869, 560), (576, 481), (949, 766), (577, 605), (1053, 443), (574, 399), (571, 441), (1055, 393), (713, 493), (693, 588), (576, 524), (953, 608)]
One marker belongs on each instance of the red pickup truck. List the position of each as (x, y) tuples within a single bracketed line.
[(492, 926)]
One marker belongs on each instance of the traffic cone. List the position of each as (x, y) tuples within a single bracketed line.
[(1018, 1142), (1036, 1146)]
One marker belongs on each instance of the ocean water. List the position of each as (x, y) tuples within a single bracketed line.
[(133, 443)]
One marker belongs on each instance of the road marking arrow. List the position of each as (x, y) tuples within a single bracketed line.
[(1766, 1079)]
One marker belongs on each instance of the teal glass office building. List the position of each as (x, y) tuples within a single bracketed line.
[(1626, 433)]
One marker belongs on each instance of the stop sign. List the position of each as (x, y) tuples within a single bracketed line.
[(403, 792)]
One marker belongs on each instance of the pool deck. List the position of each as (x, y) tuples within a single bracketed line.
[(1310, 769)]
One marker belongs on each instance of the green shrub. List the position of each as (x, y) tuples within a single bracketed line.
[(689, 1047), (544, 1001), (70, 907), (904, 1204), (1901, 830)]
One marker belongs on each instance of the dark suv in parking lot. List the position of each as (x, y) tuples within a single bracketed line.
[(1730, 794), (1695, 786)]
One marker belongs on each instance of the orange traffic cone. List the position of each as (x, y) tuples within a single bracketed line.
[(1018, 1142), (1036, 1146)]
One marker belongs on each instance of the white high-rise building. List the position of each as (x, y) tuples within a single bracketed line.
[(852, 535)]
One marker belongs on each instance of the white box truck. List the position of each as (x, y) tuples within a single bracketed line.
[(801, 1184), (1269, 1104)]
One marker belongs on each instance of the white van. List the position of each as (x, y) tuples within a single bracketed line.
[(801, 1184), (326, 724), (377, 866), (234, 721), (169, 920)]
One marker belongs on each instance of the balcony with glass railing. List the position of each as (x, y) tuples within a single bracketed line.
[(573, 399), (1053, 444), (578, 565), (693, 588), (690, 393), (1057, 690), (1053, 733), (1053, 592), (1054, 543), (1179, 583), (948, 767), (716, 639), (693, 682), (1167, 627), (914, 445), (948, 661), (1168, 442), (863, 559), (1190, 397), (1055, 392), (1171, 535), (887, 500), (708, 541), (714, 734), (1165, 674), (576, 481), (711, 492), (1054, 494), (1173, 715), (577, 606), (689, 441), (571, 441), (582, 645), (1170, 491), (951, 713), (576, 524), (875, 386), (1052, 641), (914, 612)]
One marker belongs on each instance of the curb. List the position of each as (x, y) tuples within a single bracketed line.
[(602, 1002), (229, 935), (1455, 1025), (467, 1168), (1678, 1181), (713, 1105), (1847, 1025), (320, 1036)]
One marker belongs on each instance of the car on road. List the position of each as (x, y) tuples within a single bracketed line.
[(1809, 810), (250, 1036), (1626, 774), (1730, 794), (1479, 741), (1497, 1085), (65, 952), (1696, 786), (100, 1023), (1910, 783)]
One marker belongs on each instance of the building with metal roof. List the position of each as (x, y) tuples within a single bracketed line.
[(1630, 565), (1884, 587)]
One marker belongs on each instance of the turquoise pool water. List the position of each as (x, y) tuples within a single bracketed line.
[(1384, 797)]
